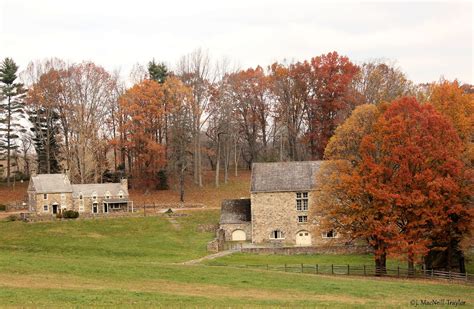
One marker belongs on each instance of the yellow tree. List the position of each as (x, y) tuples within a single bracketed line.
[(452, 101)]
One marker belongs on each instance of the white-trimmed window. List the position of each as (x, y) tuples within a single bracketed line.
[(80, 196), (330, 234), (94, 195), (45, 196), (302, 219), (302, 201), (107, 195), (45, 208), (115, 206), (81, 205), (120, 194), (276, 234)]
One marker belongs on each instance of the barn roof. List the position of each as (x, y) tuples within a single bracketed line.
[(284, 176), (235, 211), (51, 183)]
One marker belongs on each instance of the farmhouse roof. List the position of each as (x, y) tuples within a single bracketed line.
[(87, 190), (51, 183), (284, 176), (235, 211)]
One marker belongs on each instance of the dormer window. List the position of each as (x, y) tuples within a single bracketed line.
[(120, 194), (107, 195), (94, 195)]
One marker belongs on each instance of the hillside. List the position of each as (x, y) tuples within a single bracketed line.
[(238, 186), (137, 262)]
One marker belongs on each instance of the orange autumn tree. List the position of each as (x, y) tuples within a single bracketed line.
[(449, 99), (411, 165), (143, 108), (407, 189)]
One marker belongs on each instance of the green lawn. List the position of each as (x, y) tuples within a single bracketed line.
[(136, 262)]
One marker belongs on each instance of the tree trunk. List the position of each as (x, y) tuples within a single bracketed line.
[(8, 140), (236, 166), (218, 160), (181, 183)]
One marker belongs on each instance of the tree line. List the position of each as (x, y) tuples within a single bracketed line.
[(171, 122)]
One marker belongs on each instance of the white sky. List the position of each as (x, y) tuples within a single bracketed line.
[(427, 39)]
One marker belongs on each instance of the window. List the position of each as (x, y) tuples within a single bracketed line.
[(120, 194), (115, 206), (81, 205), (276, 234), (302, 219), (45, 208), (80, 196), (45, 196), (107, 195), (330, 234), (302, 201), (94, 195)]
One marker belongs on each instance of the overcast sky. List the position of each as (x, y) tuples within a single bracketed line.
[(427, 39)]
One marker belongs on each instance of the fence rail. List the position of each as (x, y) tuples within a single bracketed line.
[(360, 270)]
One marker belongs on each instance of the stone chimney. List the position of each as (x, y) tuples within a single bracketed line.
[(124, 183)]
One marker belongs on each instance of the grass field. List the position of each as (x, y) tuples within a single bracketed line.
[(137, 262)]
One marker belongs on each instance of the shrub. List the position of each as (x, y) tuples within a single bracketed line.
[(3, 207), (70, 214), (13, 218)]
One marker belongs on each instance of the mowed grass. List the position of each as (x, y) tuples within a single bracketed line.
[(137, 262)]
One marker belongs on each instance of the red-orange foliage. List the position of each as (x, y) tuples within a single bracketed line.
[(409, 188), (143, 108), (329, 80), (411, 166)]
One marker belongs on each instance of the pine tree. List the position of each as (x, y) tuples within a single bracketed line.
[(157, 71), (45, 129), (11, 109)]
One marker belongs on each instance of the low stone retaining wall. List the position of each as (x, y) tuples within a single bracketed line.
[(310, 250), (32, 217)]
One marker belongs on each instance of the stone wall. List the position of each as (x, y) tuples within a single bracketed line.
[(277, 211), (310, 250), (63, 200), (228, 228)]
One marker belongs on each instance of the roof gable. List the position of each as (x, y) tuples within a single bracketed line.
[(284, 176), (50, 183)]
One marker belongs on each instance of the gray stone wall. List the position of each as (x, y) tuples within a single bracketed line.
[(277, 211), (336, 249)]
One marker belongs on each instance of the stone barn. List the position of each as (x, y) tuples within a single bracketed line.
[(278, 212)]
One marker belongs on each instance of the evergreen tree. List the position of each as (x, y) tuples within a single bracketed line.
[(157, 71), (11, 110), (45, 130)]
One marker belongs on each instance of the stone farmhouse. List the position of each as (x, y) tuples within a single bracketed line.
[(278, 211), (50, 194)]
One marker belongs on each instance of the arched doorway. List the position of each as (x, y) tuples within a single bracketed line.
[(303, 238), (238, 235)]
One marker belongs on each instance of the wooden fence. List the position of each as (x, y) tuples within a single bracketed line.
[(361, 270)]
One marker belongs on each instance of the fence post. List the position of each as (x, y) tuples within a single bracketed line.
[(332, 269), (449, 274), (285, 267), (348, 269), (398, 271), (365, 274), (466, 275), (267, 266), (431, 272), (317, 269), (301, 267)]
